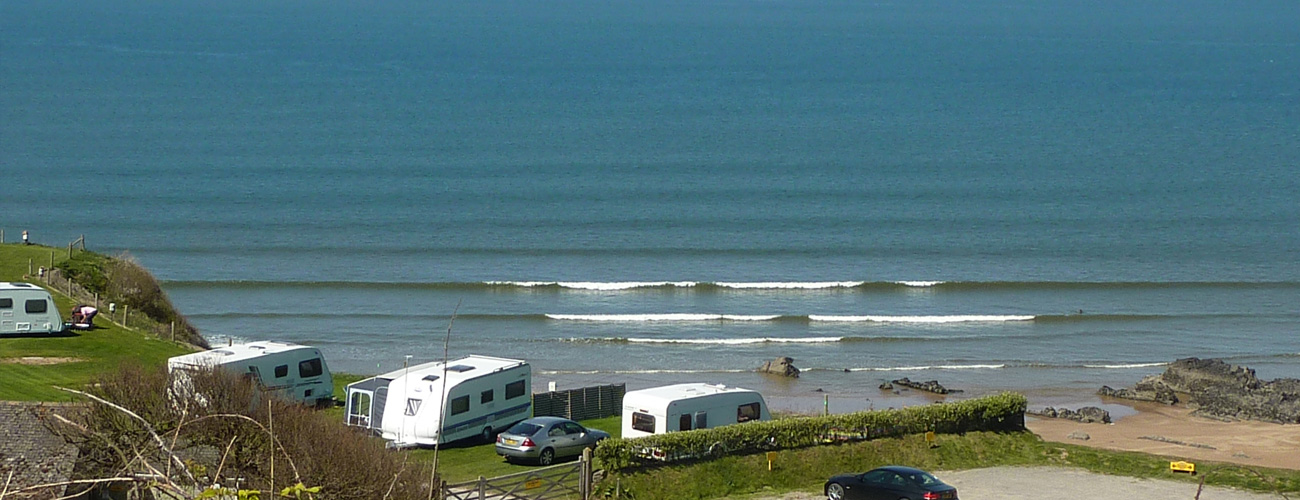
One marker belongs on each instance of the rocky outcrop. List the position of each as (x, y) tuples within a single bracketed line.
[(783, 366), (1086, 415), (1148, 389), (932, 386), (1220, 390)]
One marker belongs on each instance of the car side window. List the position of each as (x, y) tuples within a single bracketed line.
[(897, 480), (556, 430), (572, 428), (877, 476)]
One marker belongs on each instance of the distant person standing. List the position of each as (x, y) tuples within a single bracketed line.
[(25, 240)]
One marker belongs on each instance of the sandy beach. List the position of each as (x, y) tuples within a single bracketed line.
[(1247, 443)]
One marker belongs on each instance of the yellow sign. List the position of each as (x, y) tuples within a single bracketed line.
[(533, 483), (1187, 467), (771, 457), (929, 438)]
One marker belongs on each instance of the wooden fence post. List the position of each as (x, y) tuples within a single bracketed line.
[(584, 482), (173, 331), (482, 488)]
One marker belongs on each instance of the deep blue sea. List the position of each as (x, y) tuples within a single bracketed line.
[(1042, 196)]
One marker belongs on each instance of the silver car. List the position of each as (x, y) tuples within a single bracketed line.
[(546, 438)]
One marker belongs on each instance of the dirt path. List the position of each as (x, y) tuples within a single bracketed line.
[(1034, 483)]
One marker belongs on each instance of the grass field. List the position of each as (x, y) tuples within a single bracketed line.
[(82, 354)]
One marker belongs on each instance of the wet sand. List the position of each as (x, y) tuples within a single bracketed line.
[(1246, 443)]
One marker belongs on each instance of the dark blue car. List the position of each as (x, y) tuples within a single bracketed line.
[(889, 483)]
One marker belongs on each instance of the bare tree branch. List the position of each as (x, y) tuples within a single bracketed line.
[(161, 445)]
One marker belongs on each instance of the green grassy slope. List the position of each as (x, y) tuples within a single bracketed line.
[(92, 352)]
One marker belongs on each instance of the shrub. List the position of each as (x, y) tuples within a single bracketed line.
[(999, 412), (223, 433)]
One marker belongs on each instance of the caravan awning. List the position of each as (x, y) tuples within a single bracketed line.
[(370, 384)]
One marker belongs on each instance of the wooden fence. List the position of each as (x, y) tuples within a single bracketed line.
[(581, 404), (558, 482)]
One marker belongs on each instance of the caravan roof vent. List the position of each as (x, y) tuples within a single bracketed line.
[(262, 347), (431, 378), (223, 352), (460, 368)]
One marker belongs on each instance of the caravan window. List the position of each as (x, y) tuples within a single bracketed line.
[(747, 412), (486, 396), (643, 422), (514, 389), (684, 423), (37, 306), (281, 371), (460, 405), (6, 303), (310, 368), (412, 406)]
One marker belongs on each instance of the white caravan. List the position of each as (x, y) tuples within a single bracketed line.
[(684, 407), (28, 308), (482, 395), (296, 372)]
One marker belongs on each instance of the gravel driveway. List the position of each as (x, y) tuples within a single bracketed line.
[(1035, 483)]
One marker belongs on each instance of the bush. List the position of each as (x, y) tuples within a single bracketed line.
[(222, 432), (999, 412)]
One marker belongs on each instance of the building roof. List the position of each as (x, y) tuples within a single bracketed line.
[(34, 454), (232, 353)]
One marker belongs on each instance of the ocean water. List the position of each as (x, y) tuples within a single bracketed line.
[(1039, 196)]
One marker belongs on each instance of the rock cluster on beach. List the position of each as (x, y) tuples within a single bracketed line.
[(932, 386), (783, 366), (1217, 389), (1151, 388), (1087, 414)]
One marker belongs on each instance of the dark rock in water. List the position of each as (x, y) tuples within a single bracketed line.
[(1219, 390), (783, 366), (1086, 415), (1091, 414), (931, 386), (886, 386)]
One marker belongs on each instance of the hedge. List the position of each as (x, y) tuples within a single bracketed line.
[(999, 412)]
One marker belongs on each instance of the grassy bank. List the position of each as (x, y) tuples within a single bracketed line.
[(30, 366), (806, 469)]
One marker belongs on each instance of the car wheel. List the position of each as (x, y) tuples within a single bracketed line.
[(835, 491), (487, 434), (547, 457)]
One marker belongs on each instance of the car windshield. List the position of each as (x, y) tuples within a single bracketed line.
[(524, 429)]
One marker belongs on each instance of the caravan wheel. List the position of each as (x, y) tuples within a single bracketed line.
[(487, 435)]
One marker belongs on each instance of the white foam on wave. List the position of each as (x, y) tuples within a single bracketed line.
[(596, 285), (1129, 365), (919, 319), (919, 284), (761, 340), (928, 367), (661, 317), (790, 285)]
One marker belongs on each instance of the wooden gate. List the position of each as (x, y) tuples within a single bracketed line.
[(557, 482)]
